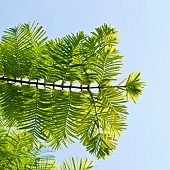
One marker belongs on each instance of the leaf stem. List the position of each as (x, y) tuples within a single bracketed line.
[(53, 85)]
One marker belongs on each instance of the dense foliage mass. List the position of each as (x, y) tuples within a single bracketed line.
[(36, 107)]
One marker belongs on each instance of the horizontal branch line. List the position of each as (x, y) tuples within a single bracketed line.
[(56, 85)]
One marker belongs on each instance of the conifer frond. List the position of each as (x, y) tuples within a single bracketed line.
[(43, 163), (21, 52), (104, 123), (133, 86), (17, 151), (67, 113), (48, 114), (76, 164)]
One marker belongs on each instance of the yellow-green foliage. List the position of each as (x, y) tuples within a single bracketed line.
[(59, 116)]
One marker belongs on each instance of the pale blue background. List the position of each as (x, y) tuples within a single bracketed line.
[(144, 31)]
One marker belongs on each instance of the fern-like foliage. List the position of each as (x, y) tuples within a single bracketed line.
[(58, 116), (17, 152), (76, 164)]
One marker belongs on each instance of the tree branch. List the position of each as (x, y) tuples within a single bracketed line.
[(53, 85)]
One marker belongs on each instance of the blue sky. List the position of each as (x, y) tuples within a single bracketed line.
[(144, 32)]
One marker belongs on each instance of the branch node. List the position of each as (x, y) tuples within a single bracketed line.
[(70, 86), (37, 83), (99, 88), (88, 87), (62, 86)]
